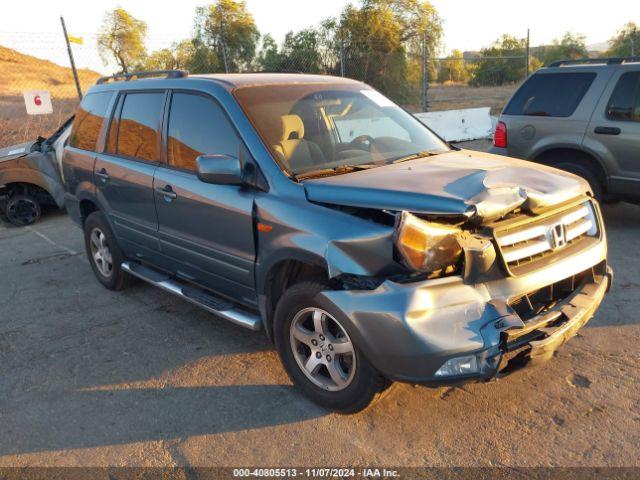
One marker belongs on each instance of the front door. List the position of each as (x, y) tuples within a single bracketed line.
[(207, 230), (124, 173), (616, 126)]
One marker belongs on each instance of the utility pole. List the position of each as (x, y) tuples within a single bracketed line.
[(73, 64), (527, 57), (224, 47), (425, 80)]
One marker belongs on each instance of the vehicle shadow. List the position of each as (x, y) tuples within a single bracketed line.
[(84, 419)]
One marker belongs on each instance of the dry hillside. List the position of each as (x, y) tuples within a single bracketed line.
[(23, 72)]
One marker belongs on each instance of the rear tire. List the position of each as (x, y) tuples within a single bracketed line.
[(22, 210), (104, 254), (338, 376)]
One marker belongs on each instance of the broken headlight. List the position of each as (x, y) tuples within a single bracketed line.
[(427, 246)]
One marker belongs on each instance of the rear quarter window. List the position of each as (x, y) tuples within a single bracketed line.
[(88, 120), (551, 94)]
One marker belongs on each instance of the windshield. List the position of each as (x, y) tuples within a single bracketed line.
[(323, 127)]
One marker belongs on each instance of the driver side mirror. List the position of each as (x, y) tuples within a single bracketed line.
[(219, 169)]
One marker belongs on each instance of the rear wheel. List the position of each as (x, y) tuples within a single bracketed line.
[(104, 253), (22, 210), (320, 356)]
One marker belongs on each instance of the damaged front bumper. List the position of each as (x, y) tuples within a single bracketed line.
[(411, 332)]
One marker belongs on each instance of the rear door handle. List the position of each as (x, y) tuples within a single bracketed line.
[(607, 130), (102, 174), (167, 192)]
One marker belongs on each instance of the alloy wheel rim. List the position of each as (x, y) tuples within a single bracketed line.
[(323, 350), (22, 211), (100, 252)]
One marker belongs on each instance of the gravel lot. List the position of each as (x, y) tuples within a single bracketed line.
[(90, 377)]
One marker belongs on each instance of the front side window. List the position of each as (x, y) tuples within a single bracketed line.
[(88, 120), (550, 94), (624, 104), (198, 126), (137, 135), (333, 127)]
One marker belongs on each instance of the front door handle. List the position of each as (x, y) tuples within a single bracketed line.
[(102, 174), (607, 130), (167, 192)]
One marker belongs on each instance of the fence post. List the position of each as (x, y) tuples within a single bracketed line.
[(73, 64), (224, 46), (425, 79), (527, 57), (341, 55)]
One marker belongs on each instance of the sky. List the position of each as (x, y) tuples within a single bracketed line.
[(32, 26)]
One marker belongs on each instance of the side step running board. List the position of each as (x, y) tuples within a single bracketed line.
[(211, 303)]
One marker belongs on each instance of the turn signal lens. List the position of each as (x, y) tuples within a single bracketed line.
[(427, 246)]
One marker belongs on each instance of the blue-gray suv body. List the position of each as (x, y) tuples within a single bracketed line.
[(313, 207)]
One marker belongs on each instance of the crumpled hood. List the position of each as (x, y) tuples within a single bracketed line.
[(454, 183), (15, 151)]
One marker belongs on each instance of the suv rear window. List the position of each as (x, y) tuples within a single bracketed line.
[(550, 94), (624, 103), (88, 120)]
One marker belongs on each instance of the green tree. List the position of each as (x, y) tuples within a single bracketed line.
[(228, 30), (570, 46), (382, 43), (492, 68), (269, 58), (121, 38), (626, 43), (453, 69), (180, 56)]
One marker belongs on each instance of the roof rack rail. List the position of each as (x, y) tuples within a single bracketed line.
[(595, 61), (136, 75)]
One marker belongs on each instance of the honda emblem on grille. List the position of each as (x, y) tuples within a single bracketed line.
[(558, 236)]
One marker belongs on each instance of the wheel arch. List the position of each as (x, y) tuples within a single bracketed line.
[(281, 275), (555, 155)]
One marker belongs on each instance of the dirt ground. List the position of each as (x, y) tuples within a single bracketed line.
[(90, 377)]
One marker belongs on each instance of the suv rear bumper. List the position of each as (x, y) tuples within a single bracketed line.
[(408, 331)]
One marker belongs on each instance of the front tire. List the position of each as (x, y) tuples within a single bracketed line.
[(319, 354), (23, 210), (104, 253)]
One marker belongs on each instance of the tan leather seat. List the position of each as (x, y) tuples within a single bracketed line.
[(296, 152)]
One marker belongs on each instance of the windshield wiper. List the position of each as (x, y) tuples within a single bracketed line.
[(328, 172), (412, 156)]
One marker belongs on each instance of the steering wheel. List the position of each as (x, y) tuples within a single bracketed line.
[(362, 140)]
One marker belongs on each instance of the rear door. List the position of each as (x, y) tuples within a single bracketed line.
[(206, 230), (615, 129), (124, 172)]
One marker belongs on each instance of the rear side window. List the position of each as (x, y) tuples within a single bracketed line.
[(198, 126), (88, 120), (551, 94), (624, 103), (137, 135)]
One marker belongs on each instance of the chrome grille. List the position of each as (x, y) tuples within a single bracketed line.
[(524, 243)]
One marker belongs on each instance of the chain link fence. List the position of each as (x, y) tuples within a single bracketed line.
[(408, 74)]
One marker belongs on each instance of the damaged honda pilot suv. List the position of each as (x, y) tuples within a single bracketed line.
[(314, 208)]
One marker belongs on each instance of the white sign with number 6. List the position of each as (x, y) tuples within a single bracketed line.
[(38, 102)]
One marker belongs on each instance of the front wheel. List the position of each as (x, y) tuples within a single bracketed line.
[(22, 210), (319, 355)]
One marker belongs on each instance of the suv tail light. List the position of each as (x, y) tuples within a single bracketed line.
[(500, 135)]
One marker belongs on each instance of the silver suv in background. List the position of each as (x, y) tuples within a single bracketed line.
[(582, 116)]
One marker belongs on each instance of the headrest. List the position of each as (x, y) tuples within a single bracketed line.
[(292, 128)]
